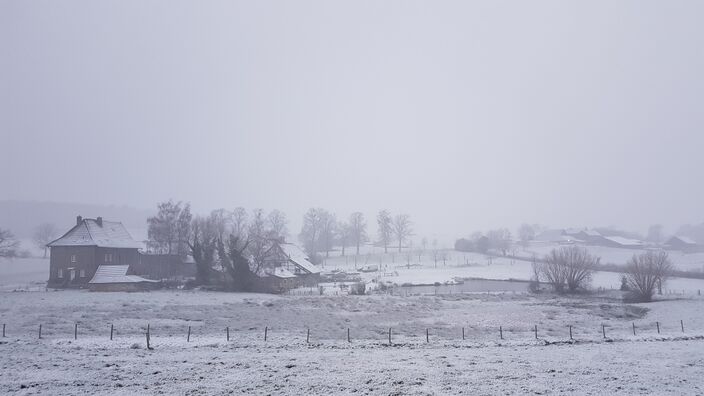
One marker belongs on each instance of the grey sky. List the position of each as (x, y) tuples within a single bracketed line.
[(467, 115)]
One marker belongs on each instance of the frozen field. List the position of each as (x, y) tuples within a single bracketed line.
[(649, 363)]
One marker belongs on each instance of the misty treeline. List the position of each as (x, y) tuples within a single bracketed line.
[(10, 245), (569, 269), (498, 241), (230, 247)]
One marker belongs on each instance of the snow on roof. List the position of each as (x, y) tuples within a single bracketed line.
[(592, 233), (298, 257), (89, 232), (624, 241), (280, 272), (116, 274), (684, 239)]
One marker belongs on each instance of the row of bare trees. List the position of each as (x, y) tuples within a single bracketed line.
[(322, 231), (570, 269)]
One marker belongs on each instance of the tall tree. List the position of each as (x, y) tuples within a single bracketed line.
[(358, 229), (43, 234), (344, 235), (646, 272), (258, 238), (277, 224), (221, 219), (169, 230), (203, 247), (239, 222), (402, 229), (8, 244), (310, 231), (383, 221), (328, 231), (233, 259)]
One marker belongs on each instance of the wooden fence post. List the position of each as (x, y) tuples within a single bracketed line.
[(40, 331), (348, 335), (112, 328), (266, 330), (463, 334), (308, 336), (603, 330), (536, 332), (188, 338), (658, 325), (634, 328), (75, 331), (571, 333), (389, 335), (427, 335), (3, 330), (149, 347), (501, 333), (682, 325)]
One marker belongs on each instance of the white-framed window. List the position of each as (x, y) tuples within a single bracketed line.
[(73, 258), (60, 273), (83, 273)]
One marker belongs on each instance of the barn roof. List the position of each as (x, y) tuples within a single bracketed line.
[(91, 232), (624, 241), (280, 272), (298, 257), (683, 239), (116, 274)]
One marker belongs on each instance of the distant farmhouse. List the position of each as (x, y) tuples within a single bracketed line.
[(682, 243), (103, 256), (287, 267)]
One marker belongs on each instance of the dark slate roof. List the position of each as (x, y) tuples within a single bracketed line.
[(89, 233)]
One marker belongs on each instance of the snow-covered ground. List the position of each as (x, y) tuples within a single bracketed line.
[(423, 269), (667, 363)]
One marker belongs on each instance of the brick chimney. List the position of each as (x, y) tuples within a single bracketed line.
[(79, 220), (99, 220)]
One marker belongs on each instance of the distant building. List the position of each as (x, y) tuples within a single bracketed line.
[(621, 242), (92, 243), (286, 267), (681, 243)]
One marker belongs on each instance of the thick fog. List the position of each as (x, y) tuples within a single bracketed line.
[(466, 115)]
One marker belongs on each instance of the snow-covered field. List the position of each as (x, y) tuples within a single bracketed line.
[(424, 270), (482, 363)]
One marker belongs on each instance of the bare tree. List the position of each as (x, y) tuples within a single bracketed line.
[(383, 221), (203, 246), (239, 222), (277, 224), (568, 268), (402, 229), (169, 230), (646, 272), (344, 235), (358, 229), (499, 240), (258, 238), (221, 219), (8, 244), (328, 230), (310, 231), (43, 234)]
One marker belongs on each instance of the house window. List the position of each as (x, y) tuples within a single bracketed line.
[(73, 258), (61, 273), (83, 273), (108, 257)]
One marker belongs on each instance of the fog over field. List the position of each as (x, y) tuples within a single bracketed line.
[(468, 115), (379, 197)]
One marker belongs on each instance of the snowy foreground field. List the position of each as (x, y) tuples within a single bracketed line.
[(671, 362)]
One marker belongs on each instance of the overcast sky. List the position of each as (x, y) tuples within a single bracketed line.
[(466, 115)]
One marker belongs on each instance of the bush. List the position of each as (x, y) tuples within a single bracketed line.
[(568, 268)]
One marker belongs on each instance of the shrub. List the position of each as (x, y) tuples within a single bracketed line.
[(647, 271), (358, 289)]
